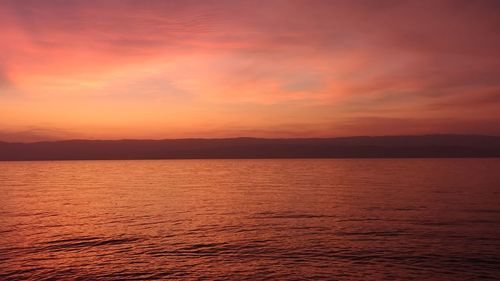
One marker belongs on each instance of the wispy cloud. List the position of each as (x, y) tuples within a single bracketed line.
[(4, 80), (333, 60)]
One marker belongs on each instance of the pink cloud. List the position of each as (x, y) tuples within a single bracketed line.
[(421, 60)]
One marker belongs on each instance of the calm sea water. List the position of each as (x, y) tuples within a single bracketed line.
[(407, 219)]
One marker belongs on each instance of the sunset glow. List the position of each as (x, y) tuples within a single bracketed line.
[(175, 69)]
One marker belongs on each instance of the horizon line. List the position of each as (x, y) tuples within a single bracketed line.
[(252, 137)]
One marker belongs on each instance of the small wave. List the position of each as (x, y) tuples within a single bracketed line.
[(84, 242), (289, 215), (371, 233)]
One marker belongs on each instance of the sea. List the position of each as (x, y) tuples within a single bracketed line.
[(293, 219)]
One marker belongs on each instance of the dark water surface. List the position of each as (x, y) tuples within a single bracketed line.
[(420, 219)]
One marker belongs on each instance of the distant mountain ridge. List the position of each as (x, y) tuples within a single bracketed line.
[(246, 148)]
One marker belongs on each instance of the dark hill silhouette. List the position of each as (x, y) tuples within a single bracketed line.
[(231, 148)]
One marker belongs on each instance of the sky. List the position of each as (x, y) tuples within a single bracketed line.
[(93, 69)]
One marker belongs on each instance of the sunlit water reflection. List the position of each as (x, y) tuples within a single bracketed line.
[(257, 219)]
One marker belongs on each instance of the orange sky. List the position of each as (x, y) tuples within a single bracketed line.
[(173, 69)]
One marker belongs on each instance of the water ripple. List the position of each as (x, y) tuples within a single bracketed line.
[(418, 219)]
